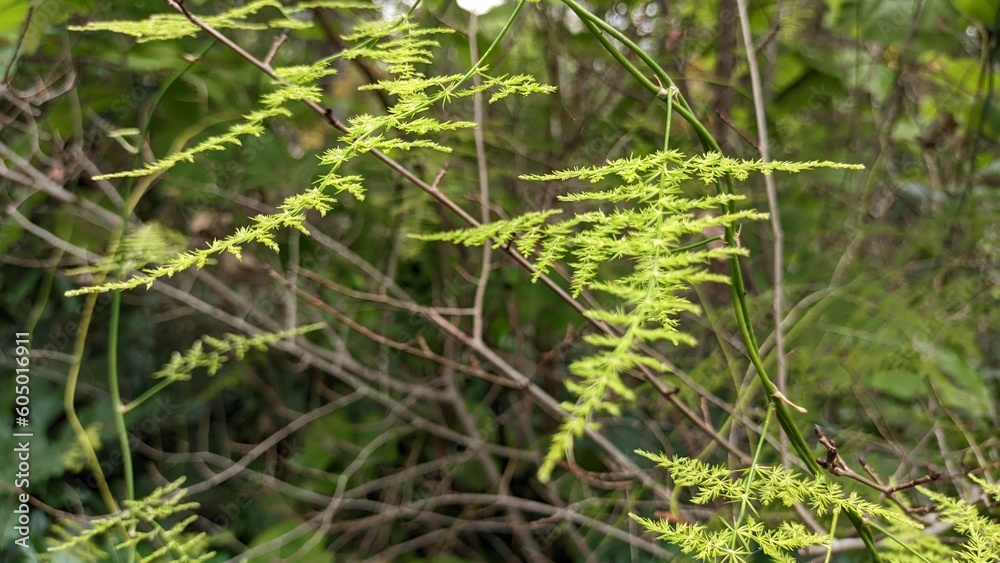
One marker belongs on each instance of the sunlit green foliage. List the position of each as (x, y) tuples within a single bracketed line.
[(181, 366), (982, 534), (159, 527), (657, 235), (166, 27), (365, 133), (891, 275)]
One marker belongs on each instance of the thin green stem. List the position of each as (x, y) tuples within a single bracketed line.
[(902, 544), (119, 411), (116, 399), (618, 55), (496, 41), (753, 470), (833, 535), (694, 245), (665, 79), (146, 395), (69, 400)]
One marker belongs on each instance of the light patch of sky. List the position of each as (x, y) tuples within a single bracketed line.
[(479, 7), (571, 21), (392, 9), (616, 17), (641, 18)]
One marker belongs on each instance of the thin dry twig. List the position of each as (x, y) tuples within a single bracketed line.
[(484, 183), (836, 465), (278, 42)]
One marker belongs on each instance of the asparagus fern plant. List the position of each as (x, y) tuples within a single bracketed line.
[(648, 217), (651, 224)]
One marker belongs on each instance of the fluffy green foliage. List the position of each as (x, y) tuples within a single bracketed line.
[(401, 56), (756, 486), (914, 545), (180, 366), (521, 85), (165, 27), (982, 534), (254, 125), (733, 544), (74, 458), (771, 484), (401, 46), (643, 245), (761, 486), (159, 534), (292, 214), (654, 227), (294, 83), (530, 226), (150, 243)]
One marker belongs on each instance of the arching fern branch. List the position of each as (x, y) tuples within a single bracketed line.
[(165, 27), (770, 485), (149, 243), (161, 529), (295, 84), (982, 535), (650, 227), (403, 47), (181, 366)]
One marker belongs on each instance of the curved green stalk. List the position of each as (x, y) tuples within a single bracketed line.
[(740, 306), (146, 395), (833, 535), (116, 300), (116, 398), (496, 41), (73, 375), (901, 543), (69, 400)]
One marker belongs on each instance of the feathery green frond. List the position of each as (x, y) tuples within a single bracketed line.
[(401, 56), (770, 484), (253, 126), (158, 523), (181, 366), (304, 74), (652, 233), (521, 85), (400, 45), (162, 27), (291, 214), (499, 232), (165, 27), (991, 489), (404, 86), (982, 535), (150, 243)]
